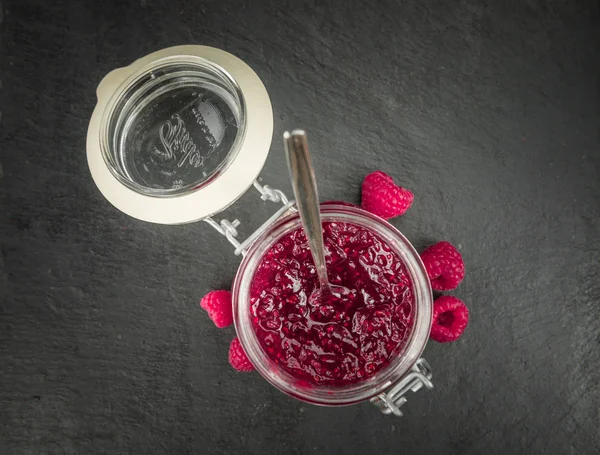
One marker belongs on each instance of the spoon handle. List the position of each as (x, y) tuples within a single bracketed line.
[(307, 198)]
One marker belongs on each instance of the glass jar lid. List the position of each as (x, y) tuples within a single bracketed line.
[(180, 134)]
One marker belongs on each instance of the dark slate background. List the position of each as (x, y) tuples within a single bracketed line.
[(488, 111)]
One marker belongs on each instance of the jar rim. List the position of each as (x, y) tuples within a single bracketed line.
[(159, 78), (396, 367)]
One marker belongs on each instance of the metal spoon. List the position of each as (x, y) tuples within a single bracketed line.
[(307, 200)]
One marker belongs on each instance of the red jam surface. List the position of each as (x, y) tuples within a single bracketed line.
[(341, 340)]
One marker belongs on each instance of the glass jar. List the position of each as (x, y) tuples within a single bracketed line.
[(178, 136), (401, 363)]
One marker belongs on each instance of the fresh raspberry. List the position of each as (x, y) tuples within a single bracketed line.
[(444, 265), (382, 197), (219, 308), (238, 358), (450, 318)]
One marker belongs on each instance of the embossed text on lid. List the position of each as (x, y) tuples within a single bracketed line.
[(179, 134), (175, 127)]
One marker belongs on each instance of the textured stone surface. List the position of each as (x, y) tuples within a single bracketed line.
[(487, 111)]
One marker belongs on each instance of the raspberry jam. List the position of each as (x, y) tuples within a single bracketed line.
[(344, 339)]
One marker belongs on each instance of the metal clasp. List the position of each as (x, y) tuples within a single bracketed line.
[(270, 194), (228, 228), (390, 402)]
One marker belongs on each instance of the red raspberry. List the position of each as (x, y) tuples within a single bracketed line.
[(382, 197), (219, 307), (444, 265), (238, 358), (450, 318)]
